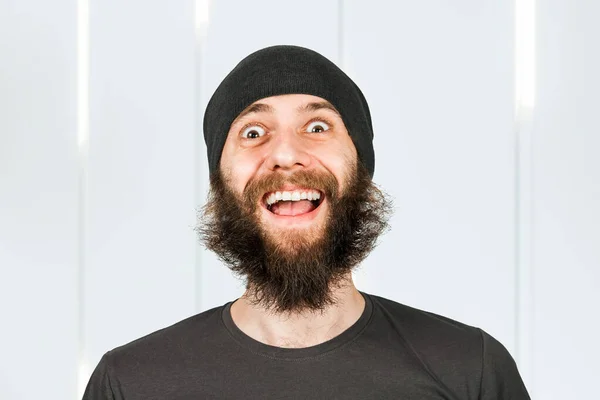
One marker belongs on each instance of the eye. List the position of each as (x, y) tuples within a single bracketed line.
[(253, 132), (317, 127)]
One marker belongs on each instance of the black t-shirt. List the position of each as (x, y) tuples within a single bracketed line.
[(391, 352)]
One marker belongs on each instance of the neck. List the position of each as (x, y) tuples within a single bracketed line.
[(302, 329)]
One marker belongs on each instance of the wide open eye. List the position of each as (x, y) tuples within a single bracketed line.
[(253, 132), (317, 127)]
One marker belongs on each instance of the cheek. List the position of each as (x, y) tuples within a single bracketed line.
[(238, 170), (340, 159)]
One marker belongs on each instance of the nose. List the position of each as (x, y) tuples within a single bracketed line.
[(287, 152)]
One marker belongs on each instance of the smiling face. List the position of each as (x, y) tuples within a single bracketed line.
[(291, 209), (287, 156)]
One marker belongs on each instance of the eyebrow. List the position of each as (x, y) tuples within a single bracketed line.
[(265, 108), (255, 108), (321, 105)]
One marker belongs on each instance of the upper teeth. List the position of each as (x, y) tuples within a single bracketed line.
[(294, 195)]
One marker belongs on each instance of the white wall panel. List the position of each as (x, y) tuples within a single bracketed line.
[(140, 207), (438, 76), (38, 200), (566, 201), (231, 36)]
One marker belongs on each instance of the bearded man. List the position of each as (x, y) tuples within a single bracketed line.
[(292, 210)]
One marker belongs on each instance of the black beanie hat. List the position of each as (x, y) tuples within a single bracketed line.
[(281, 70)]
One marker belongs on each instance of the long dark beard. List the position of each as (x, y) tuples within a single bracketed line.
[(294, 272)]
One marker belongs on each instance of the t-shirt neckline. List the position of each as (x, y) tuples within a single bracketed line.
[(320, 349)]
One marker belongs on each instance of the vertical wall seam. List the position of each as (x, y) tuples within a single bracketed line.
[(341, 60), (517, 240), (83, 130), (197, 143), (201, 13), (524, 311)]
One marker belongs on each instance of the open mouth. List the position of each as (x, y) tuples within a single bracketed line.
[(293, 202)]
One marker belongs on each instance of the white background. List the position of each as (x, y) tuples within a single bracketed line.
[(102, 168)]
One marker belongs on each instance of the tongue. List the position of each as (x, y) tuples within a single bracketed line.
[(291, 208)]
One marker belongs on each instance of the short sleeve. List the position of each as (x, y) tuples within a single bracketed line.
[(500, 379), (99, 385)]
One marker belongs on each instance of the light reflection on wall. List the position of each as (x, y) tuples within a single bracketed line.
[(202, 9), (525, 53), (525, 86)]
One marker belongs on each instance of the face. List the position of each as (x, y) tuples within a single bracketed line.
[(288, 141), (291, 209)]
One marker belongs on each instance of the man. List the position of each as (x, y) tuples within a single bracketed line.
[(292, 209)]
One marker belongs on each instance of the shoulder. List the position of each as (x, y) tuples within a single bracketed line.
[(148, 365), (462, 357), (170, 344), (425, 326)]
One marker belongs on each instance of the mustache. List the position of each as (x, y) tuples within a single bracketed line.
[(324, 182)]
